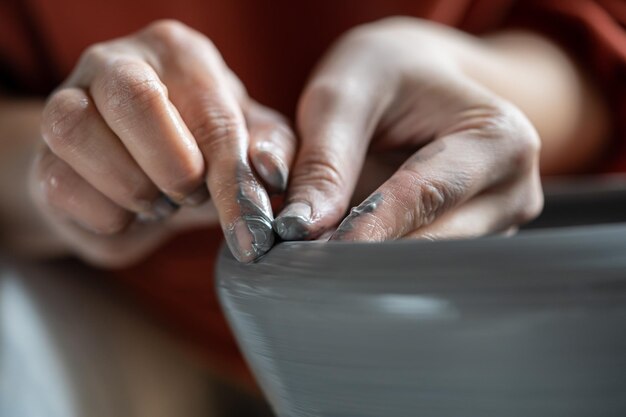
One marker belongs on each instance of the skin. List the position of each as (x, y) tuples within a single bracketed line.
[(432, 133), (467, 114), (155, 121)]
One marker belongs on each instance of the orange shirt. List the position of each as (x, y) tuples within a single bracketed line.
[(272, 46)]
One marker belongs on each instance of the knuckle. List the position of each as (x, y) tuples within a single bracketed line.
[(331, 94), (168, 32), (50, 190), (131, 83), (237, 86), (382, 34), (57, 184), (319, 170), (64, 113), (172, 42), (169, 37), (95, 56), (526, 149), (530, 208), (389, 27), (429, 197), (318, 91), (365, 35), (54, 181), (525, 214), (318, 95), (525, 141), (394, 21), (507, 122), (215, 129), (432, 200), (188, 179), (490, 121), (507, 128)]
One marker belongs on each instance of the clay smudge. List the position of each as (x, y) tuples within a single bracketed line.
[(294, 222), (258, 222), (370, 204), (251, 234)]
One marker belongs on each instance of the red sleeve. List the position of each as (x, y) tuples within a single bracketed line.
[(23, 51)]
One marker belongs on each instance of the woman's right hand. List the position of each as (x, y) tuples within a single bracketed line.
[(145, 124)]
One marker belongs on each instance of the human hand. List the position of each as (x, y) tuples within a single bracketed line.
[(149, 122), (398, 85)]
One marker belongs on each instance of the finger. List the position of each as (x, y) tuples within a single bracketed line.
[(497, 211), (272, 141), (194, 217), (199, 88), (76, 133), (71, 196), (440, 176), (134, 103), (272, 146), (336, 118)]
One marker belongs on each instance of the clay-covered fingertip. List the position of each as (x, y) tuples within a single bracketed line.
[(250, 238), (272, 171), (291, 228), (294, 222)]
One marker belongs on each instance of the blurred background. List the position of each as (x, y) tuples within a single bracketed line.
[(73, 345), (150, 340)]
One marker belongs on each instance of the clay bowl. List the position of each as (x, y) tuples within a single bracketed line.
[(531, 325)]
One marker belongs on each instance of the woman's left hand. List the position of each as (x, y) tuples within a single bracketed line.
[(393, 87)]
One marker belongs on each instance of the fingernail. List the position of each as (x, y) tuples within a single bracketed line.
[(197, 197), (272, 170), (163, 207), (294, 221), (250, 237)]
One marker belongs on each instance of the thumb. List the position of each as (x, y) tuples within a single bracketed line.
[(272, 145), (336, 120)]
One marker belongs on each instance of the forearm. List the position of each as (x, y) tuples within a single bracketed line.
[(556, 95), (22, 229)]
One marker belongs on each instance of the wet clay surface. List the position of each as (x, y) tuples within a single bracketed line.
[(533, 325)]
